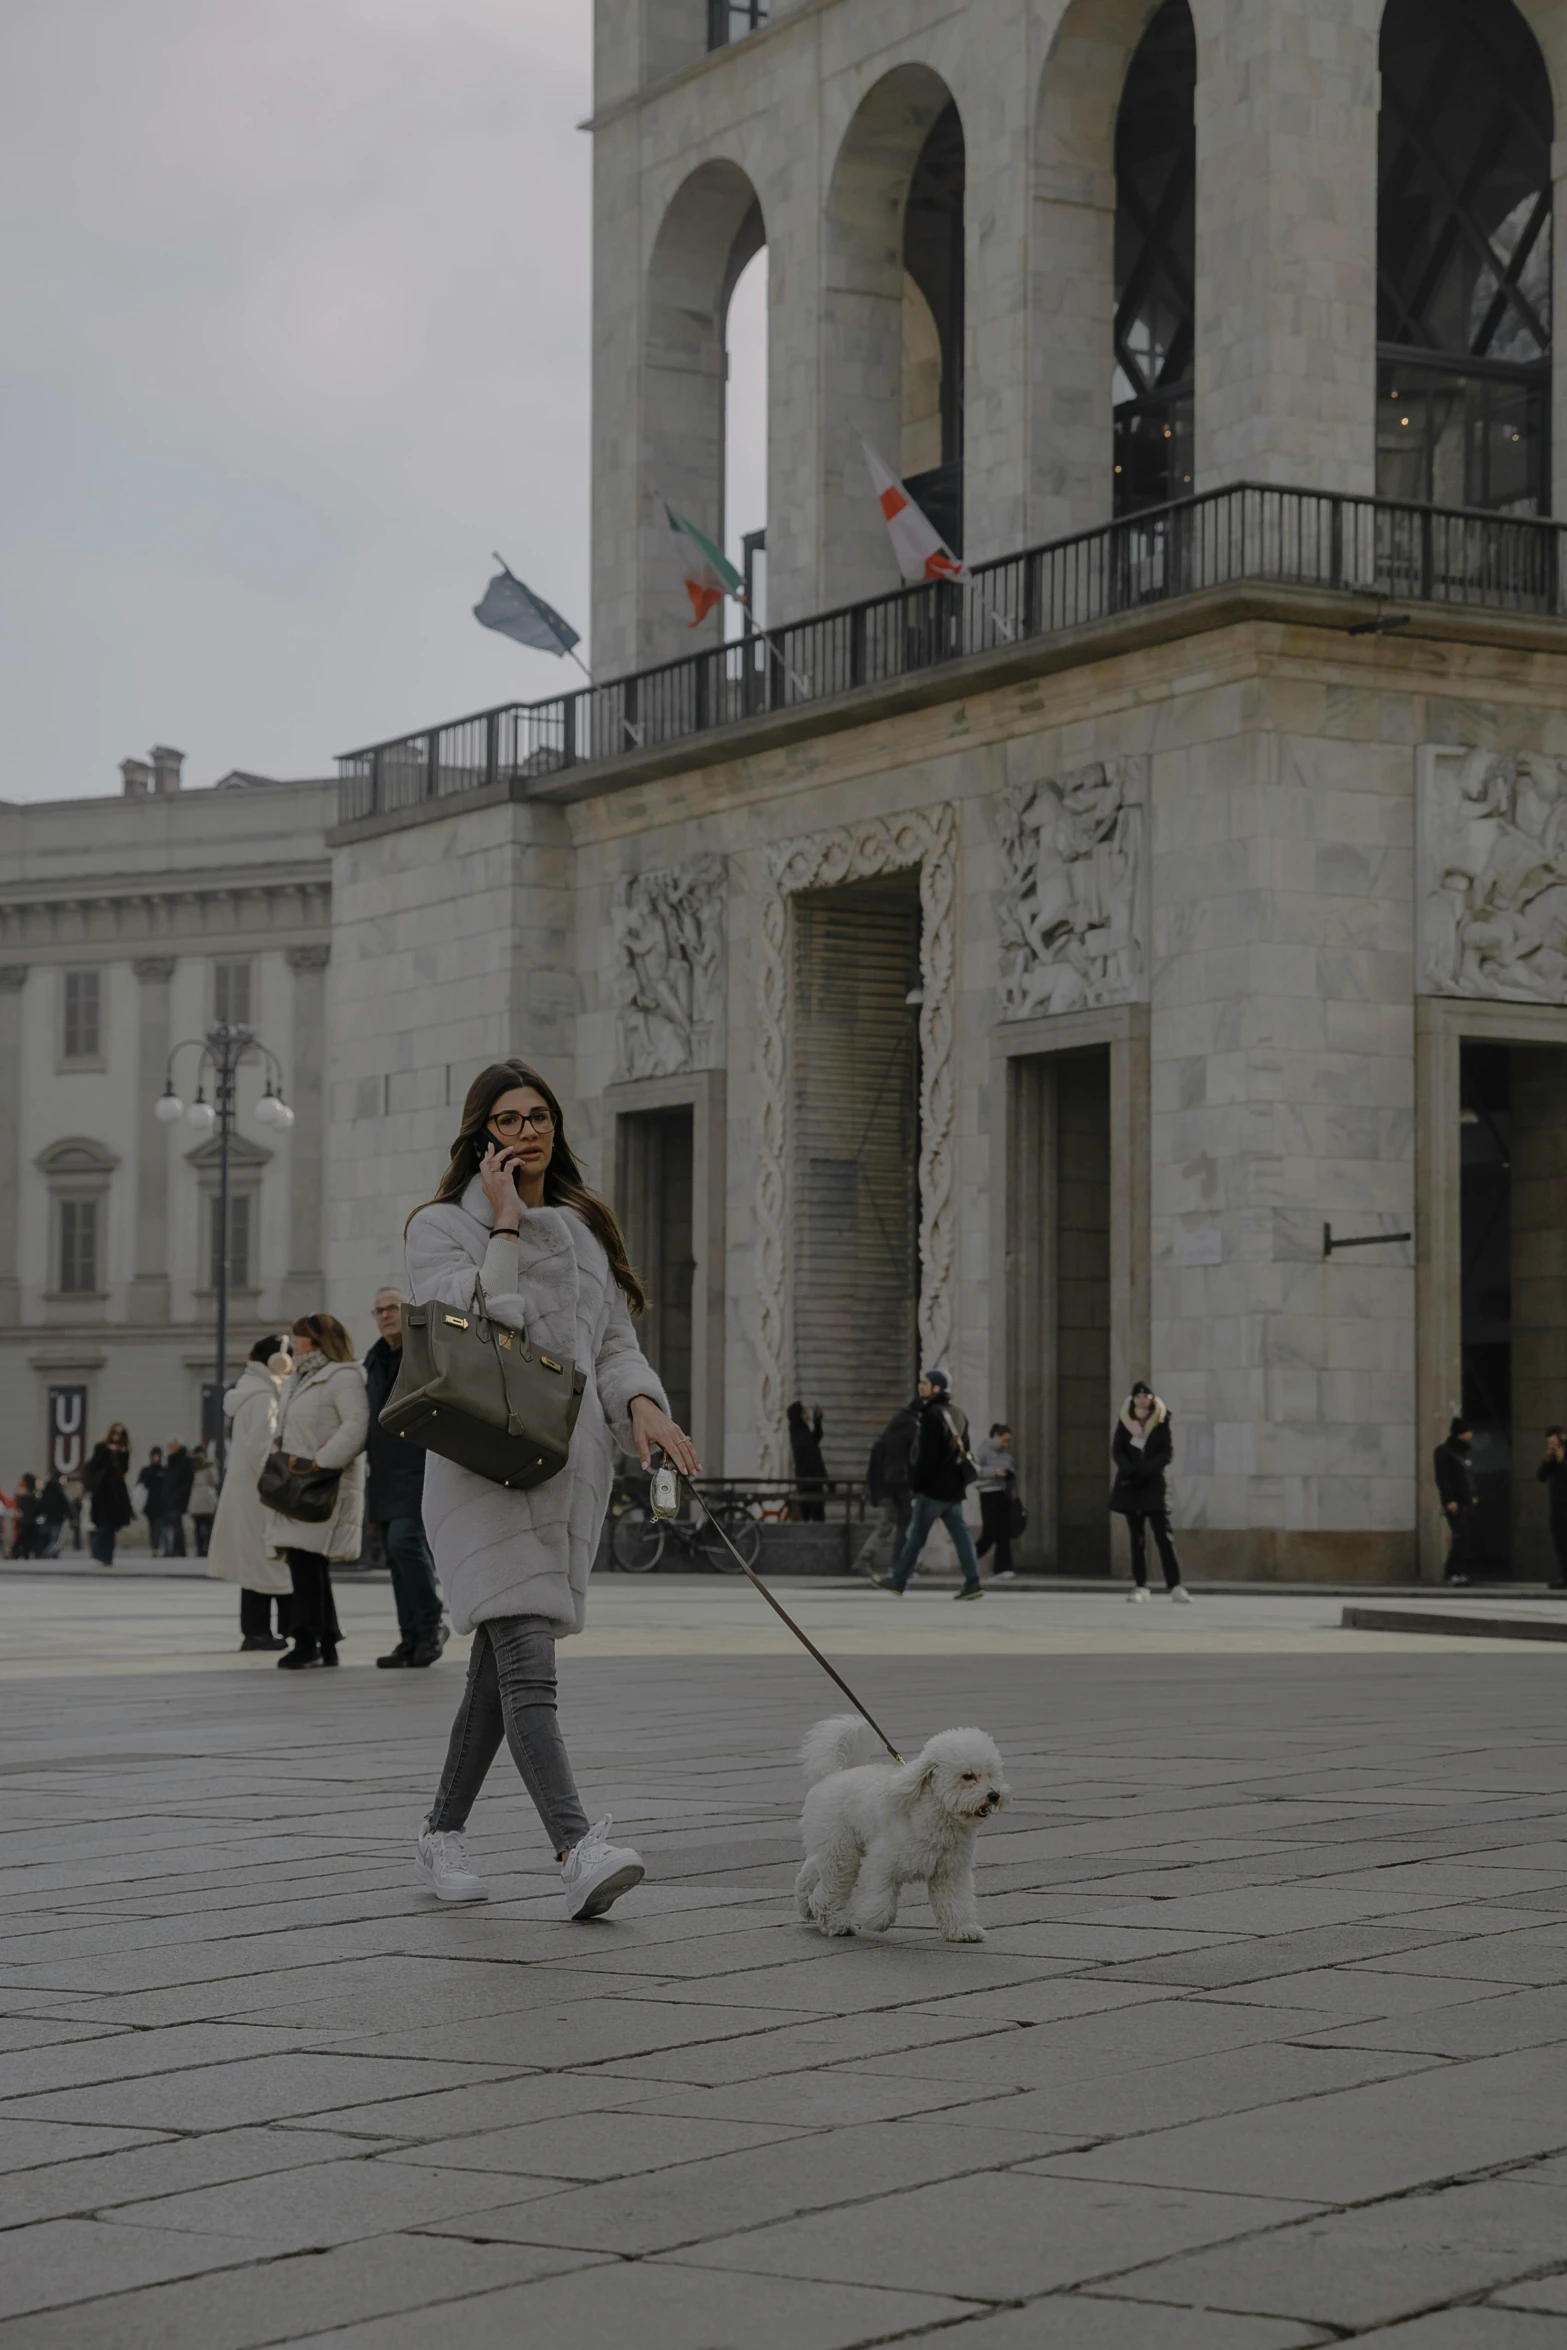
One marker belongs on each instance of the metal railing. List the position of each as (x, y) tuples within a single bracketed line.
[(1409, 554)]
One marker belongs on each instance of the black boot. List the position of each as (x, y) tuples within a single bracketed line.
[(303, 1652), (428, 1647), (402, 1654), (329, 1652)]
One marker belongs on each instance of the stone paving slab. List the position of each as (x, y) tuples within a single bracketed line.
[(1268, 2045)]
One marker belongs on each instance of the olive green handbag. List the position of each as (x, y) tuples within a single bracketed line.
[(481, 1394)]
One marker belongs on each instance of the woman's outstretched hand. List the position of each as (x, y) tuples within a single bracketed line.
[(650, 1426)]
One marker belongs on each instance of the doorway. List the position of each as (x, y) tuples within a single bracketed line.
[(1513, 1289), (655, 1151), (1058, 1256)]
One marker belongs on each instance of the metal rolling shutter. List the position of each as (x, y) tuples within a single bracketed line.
[(855, 1081)]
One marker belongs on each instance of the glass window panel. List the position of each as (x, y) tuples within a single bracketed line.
[(240, 1225), (78, 1246), (1155, 264), (231, 994), (82, 1008)]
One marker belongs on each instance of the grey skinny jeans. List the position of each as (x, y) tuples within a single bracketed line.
[(510, 1694)]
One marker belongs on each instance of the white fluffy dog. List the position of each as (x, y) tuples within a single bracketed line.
[(871, 1826)]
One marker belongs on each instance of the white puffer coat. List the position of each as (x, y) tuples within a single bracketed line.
[(501, 1552), (239, 1551), (323, 1415)]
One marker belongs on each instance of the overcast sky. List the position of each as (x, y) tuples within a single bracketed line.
[(295, 332)]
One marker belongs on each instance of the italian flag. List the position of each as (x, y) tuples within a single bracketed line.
[(708, 574), (921, 553)]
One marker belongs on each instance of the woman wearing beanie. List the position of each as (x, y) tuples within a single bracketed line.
[(1142, 1448)]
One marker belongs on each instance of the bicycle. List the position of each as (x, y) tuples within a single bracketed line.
[(638, 1539)]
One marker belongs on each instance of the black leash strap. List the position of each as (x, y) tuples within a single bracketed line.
[(780, 1610)]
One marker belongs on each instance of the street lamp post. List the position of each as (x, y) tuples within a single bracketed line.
[(225, 1045)]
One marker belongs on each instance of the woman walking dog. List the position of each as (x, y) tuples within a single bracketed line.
[(513, 1217)]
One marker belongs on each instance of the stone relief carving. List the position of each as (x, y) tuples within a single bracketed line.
[(1069, 910), (1493, 875), (669, 947), (926, 838)]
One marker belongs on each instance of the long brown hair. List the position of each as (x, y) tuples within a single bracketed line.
[(329, 1335), (563, 1183)]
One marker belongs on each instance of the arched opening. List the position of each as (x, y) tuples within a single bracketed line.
[(1464, 258), (893, 323), (745, 442), (711, 232), (931, 350), (1156, 264)]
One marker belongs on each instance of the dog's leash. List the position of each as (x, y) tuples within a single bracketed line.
[(780, 1610)]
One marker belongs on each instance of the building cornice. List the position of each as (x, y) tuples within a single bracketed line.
[(281, 905)]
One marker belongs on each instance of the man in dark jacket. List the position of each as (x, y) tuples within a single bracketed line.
[(150, 1479), (941, 1470), (1460, 1499), (179, 1474), (394, 1497), (887, 1485), (1552, 1474), (54, 1508)]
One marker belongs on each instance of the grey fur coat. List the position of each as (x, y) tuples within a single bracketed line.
[(323, 1415), (501, 1552)]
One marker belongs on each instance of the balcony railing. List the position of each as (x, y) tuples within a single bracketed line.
[(1300, 538)]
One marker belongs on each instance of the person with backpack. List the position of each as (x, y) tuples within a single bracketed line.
[(941, 1470), (887, 1486)]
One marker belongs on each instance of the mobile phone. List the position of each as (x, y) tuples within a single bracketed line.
[(665, 1495)]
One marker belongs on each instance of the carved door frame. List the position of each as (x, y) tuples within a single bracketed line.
[(926, 838)]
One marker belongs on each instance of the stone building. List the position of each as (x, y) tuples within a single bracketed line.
[(127, 926), (1040, 972)]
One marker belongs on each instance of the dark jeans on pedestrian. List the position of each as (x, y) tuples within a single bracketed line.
[(510, 1694), (1463, 1544), (255, 1614), (203, 1527), (1137, 1525), (1559, 1546), (101, 1544), (414, 1587), (995, 1529), (312, 1612), (923, 1516), (174, 1537)]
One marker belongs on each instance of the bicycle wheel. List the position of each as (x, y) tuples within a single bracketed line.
[(636, 1540), (742, 1530)]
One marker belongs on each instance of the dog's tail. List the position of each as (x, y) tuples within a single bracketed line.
[(837, 1746)]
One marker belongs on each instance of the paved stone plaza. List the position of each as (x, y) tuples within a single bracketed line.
[(1267, 2046)]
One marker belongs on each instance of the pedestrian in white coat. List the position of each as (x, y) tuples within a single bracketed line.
[(323, 1417), (238, 1550), (513, 1215)]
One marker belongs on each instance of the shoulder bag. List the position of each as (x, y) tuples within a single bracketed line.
[(296, 1488), (481, 1394)]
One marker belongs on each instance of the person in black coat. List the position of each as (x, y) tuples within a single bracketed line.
[(1142, 1448), (179, 1475), (54, 1509), (887, 1484), (104, 1480), (150, 1482), (1456, 1489), (810, 1469), (394, 1501), (1552, 1473)]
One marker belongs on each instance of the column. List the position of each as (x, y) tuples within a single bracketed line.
[(304, 1285), (148, 1300), (13, 978), (1286, 244)]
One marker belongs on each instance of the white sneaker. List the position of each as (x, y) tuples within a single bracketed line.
[(1136, 1595), (441, 1857), (595, 1872), (1181, 1596)]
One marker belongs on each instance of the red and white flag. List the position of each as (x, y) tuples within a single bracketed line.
[(920, 550)]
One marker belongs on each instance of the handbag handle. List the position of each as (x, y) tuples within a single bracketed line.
[(478, 1306)]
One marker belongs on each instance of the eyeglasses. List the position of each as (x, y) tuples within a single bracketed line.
[(507, 1123)]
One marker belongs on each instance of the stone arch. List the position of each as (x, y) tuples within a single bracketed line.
[(1072, 282), (711, 229), (863, 318)]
